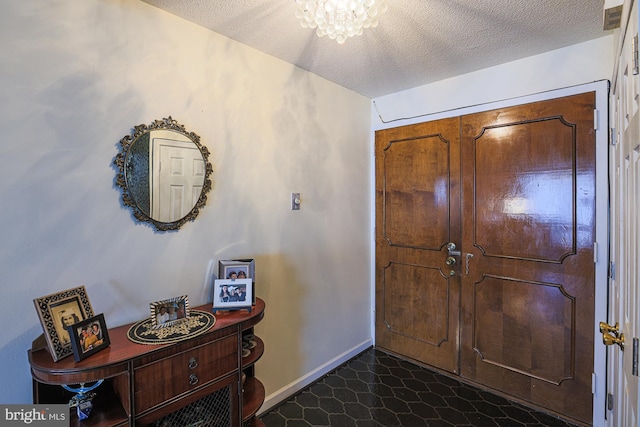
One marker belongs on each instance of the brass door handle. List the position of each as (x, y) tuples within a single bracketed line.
[(606, 328), (450, 260), (611, 334), (609, 339)]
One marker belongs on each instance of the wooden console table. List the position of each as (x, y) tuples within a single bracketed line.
[(144, 385)]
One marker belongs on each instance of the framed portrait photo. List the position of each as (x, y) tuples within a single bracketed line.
[(239, 269), (232, 294), (59, 311), (169, 312), (88, 337)]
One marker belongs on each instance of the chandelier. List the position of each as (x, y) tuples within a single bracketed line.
[(339, 19)]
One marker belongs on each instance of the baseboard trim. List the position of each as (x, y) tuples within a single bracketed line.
[(279, 396)]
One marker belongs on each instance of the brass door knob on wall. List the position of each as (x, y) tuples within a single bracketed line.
[(611, 334)]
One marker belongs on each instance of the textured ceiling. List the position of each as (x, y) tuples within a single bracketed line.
[(417, 41)]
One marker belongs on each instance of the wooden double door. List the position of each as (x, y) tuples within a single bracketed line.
[(485, 229)]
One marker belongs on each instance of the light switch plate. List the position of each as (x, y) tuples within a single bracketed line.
[(295, 201)]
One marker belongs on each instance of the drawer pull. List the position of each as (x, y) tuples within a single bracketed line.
[(193, 363), (193, 379)]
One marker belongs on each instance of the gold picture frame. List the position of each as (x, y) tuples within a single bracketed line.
[(58, 311)]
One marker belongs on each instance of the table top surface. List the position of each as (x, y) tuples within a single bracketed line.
[(114, 359)]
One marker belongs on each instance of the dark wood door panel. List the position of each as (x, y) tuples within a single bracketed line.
[(416, 191), (528, 227), (413, 308), (524, 184), (417, 315), (417, 214), (507, 310), (514, 189)]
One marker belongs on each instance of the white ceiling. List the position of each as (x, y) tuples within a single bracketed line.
[(417, 41)]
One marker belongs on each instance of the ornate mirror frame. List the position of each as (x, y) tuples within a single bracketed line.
[(121, 162)]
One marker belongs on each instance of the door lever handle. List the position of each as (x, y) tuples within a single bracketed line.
[(606, 328), (451, 249), (609, 339), (611, 334), (466, 266)]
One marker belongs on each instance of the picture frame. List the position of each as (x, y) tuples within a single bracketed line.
[(89, 336), (58, 311), (225, 296), (239, 266), (169, 312)]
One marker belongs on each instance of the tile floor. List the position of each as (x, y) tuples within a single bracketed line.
[(379, 390)]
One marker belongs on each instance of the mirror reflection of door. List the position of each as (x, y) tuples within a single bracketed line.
[(177, 176)]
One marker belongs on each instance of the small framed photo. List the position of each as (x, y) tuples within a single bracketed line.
[(232, 294), (88, 337), (239, 269), (170, 311), (57, 312)]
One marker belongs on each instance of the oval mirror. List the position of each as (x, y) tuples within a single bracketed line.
[(163, 172)]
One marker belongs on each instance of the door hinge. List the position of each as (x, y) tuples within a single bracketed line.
[(634, 358), (595, 119), (612, 136), (595, 252), (593, 382), (634, 49), (609, 402), (612, 270)]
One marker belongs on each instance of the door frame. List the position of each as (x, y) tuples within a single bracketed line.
[(601, 252), (617, 371)]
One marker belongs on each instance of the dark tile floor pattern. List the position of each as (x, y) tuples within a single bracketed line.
[(379, 390)]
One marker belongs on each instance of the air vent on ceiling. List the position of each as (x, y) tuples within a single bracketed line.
[(612, 17)]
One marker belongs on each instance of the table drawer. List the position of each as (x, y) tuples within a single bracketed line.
[(167, 378)]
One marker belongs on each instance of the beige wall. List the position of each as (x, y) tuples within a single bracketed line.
[(504, 84), (75, 77)]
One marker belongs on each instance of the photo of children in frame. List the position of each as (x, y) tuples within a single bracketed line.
[(169, 312), (230, 294), (88, 337), (239, 269), (236, 272)]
